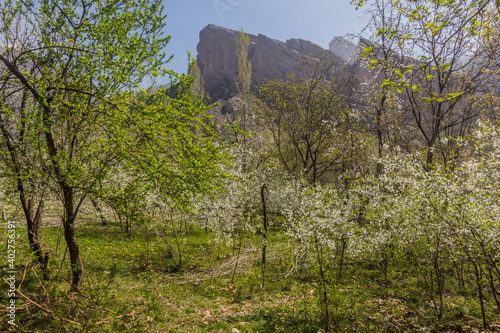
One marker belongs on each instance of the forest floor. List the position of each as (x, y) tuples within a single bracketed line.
[(135, 284)]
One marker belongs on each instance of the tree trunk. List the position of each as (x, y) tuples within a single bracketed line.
[(69, 235), (34, 221), (429, 159), (380, 142), (323, 293), (479, 278), (430, 150), (99, 211), (264, 214)]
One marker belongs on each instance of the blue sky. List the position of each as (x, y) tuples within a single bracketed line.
[(315, 20)]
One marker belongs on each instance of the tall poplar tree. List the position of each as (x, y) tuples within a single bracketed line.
[(244, 79)]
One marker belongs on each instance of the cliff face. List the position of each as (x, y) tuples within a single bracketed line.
[(270, 59)]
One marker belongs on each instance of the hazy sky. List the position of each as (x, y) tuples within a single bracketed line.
[(315, 20)]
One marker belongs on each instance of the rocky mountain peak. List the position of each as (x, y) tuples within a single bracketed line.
[(270, 59)]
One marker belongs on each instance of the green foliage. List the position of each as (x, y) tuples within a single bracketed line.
[(198, 87), (194, 243), (98, 132), (244, 65)]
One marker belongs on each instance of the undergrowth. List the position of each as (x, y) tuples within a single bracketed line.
[(135, 284)]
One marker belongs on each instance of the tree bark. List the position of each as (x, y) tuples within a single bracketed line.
[(99, 211), (69, 235), (34, 221), (264, 214)]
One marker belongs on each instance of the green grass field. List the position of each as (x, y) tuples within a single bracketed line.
[(133, 284)]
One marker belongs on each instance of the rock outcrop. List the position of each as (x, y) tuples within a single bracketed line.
[(270, 59), (231, 107)]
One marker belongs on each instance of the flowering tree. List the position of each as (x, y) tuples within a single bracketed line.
[(442, 220)]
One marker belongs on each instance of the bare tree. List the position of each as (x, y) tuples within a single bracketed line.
[(378, 101), (440, 69), (309, 118)]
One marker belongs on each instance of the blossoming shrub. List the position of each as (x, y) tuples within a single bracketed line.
[(442, 224)]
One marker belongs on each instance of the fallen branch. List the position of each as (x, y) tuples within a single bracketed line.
[(41, 307)]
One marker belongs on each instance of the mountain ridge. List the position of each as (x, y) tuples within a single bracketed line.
[(270, 58)]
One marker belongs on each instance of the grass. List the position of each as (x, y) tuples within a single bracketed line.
[(134, 284)]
